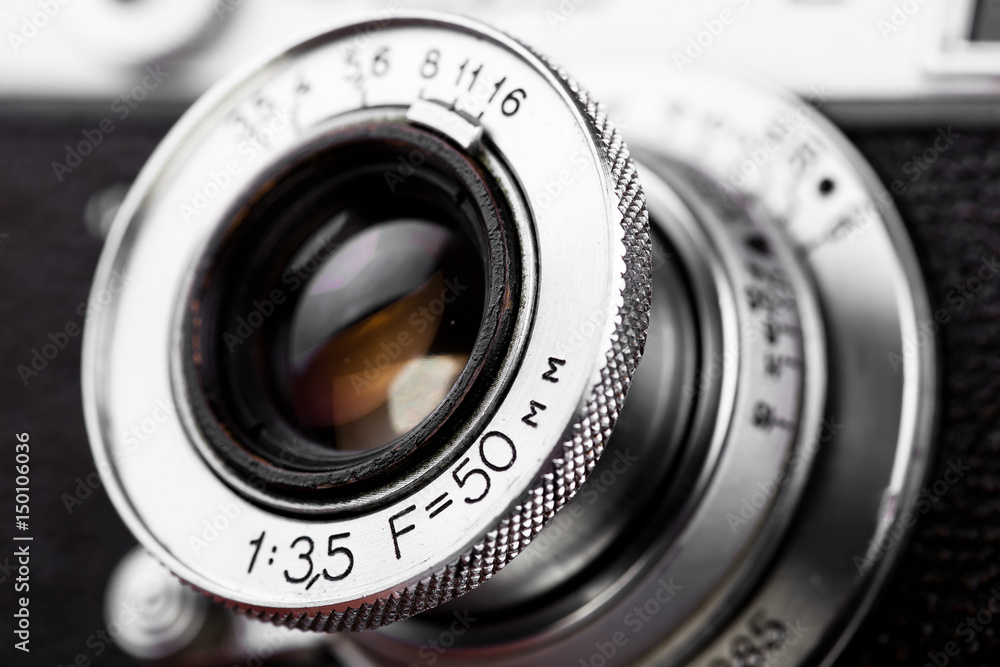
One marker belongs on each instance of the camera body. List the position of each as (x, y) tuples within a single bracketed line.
[(911, 84)]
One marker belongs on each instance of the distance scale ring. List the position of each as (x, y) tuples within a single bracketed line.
[(601, 237), (782, 154)]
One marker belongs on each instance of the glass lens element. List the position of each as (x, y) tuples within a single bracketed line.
[(383, 329)]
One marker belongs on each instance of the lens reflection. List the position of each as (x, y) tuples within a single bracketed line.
[(383, 330)]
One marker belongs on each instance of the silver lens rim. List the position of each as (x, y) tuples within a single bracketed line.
[(591, 242)]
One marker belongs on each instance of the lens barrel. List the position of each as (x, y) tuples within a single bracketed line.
[(394, 284)]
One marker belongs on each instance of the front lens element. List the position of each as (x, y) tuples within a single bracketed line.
[(383, 330), (348, 307)]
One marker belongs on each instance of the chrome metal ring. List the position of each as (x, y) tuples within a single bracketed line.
[(579, 332)]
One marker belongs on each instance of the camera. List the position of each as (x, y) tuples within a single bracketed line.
[(407, 345)]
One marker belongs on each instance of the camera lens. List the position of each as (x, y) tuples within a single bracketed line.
[(398, 333)]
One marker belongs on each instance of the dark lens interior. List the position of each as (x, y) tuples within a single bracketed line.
[(345, 310), (384, 325)]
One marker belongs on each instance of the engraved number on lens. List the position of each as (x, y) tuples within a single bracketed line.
[(766, 643), (493, 461), (473, 73), (306, 546)]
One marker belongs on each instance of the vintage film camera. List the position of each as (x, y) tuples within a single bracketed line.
[(364, 325)]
